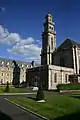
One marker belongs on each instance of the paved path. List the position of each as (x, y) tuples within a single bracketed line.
[(17, 94), (9, 111)]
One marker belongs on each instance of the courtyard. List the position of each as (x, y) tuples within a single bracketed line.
[(56, 107)]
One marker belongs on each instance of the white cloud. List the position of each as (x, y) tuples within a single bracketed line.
[(3, 32), (28, 47), (27, 41), (12, 39), (30, 52), (8, 38)]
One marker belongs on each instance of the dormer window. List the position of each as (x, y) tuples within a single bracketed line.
[(7, 63), (22, 65), (2, 62)]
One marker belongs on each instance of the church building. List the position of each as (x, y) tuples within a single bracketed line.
[(59, 65)]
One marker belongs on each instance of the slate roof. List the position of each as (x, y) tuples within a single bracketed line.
[(68, 43), (6, 61)]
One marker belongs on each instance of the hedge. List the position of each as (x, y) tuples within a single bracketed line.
[(68, 87)]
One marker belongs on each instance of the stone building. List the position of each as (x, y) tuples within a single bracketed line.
[(6, 70), (57, 64)]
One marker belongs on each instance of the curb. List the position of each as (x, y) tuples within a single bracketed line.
[(17, 93), (25, 109)]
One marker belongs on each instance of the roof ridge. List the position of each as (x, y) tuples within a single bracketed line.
[(73, 41)]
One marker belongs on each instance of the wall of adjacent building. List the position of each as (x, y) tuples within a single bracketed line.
[(6, 74)]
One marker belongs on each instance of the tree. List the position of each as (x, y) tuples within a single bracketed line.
[(40, 93), (7, 87)]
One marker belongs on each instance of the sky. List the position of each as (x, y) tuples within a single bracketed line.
[(21, 24)]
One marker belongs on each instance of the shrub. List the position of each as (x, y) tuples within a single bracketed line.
[(40, 95), (68, 87), (7, 87)]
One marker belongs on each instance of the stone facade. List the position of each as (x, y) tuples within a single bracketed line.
[(57, 64), (6, 74), (51, 75), (6, 70), (58, 75)]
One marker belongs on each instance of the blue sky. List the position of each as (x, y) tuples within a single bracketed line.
[(22, 20)]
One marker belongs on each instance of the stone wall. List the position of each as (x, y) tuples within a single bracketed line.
[(6, 74), (37, 73), (58, 75)]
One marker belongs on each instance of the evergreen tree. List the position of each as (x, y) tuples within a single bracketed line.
[(7, 87), (40, 93)]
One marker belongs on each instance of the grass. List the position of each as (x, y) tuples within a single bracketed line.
[(56, 107), (14, 90)]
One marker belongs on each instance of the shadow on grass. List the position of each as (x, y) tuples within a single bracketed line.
[(73, 116), (33, 98), (3, 116), (77, 97)]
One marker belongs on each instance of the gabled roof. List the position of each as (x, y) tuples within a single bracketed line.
[(68, 43)]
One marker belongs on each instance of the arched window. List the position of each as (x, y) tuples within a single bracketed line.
[(55, 77), (66, 76), (51, 42)]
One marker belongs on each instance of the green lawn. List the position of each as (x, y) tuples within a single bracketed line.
[(14, 90), (56, 106)]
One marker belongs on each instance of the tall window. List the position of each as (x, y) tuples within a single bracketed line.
[(2, 74), (51, 42), (7, 74), (55, 77)]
